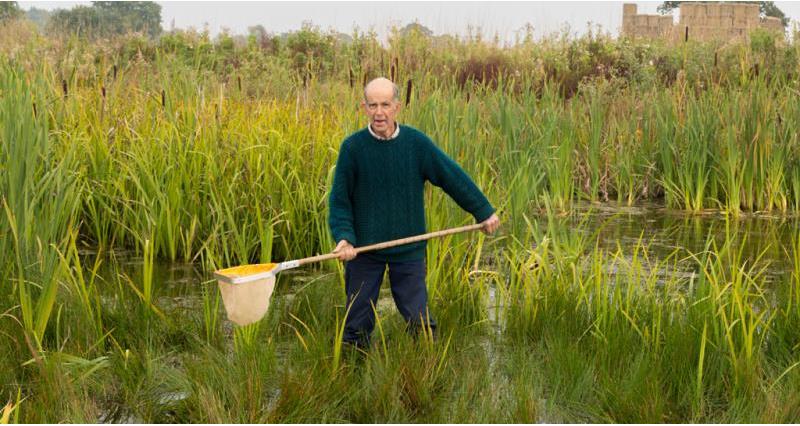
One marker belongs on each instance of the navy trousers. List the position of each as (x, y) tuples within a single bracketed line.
[(363, 277)]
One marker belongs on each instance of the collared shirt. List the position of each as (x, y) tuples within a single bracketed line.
[(381, 138)]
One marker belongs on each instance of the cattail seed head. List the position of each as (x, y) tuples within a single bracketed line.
[(350, 77), (393, 71), (409, 88)]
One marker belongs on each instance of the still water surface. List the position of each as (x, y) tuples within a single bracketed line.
[(764, 238)]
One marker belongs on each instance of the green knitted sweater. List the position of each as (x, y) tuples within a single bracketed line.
[(378, 190)]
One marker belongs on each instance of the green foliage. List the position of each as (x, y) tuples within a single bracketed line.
[(310, 51), (38, 200), (40, 17), (763, 43), (9, 10), (130, 16), (80, 20), (108, 18), (206, 153), (768, 8), (668, 6)]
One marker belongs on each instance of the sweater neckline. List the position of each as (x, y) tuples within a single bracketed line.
[(382, 140)]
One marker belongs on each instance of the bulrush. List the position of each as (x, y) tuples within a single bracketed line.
[(350, 77), (393, 71), (409, 88)]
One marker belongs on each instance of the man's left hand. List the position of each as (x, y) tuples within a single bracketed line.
[(490, 225)]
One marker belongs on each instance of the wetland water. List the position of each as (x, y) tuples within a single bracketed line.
[(182, 291), (763, 238)]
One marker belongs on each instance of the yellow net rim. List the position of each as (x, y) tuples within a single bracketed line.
[(246, 270)]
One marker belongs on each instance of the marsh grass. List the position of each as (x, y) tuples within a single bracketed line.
[(39, 203), (165, 153), (585, 334)]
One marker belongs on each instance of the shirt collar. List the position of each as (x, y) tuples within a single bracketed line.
[(381, 138)]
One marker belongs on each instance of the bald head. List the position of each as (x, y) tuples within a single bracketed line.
[(381, 104), (381, 86)]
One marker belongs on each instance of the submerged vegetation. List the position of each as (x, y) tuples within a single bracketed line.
[(121, 155)]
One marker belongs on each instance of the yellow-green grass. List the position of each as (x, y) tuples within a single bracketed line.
[(180, 156)]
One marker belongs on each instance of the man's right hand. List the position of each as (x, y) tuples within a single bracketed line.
[(345, 250)]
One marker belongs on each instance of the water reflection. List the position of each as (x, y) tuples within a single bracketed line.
[(766, 238), (762, 238)]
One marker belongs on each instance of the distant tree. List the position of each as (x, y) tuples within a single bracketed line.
[(121, 17), (257, 36), (766, 8), (107, 18), (668, 6), (40, 17), (82, 20), (310, 50), (343, 38), (416, 26), (257, 31), (9, 10)]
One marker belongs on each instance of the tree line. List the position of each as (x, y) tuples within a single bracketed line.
[(101, 19)]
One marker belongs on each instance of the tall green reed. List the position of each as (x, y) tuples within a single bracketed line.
[(40, 198)]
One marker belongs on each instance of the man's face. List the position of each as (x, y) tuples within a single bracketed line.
[(381, 108)]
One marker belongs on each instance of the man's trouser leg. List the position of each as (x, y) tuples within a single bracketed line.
[(363, 278), (410, 293)]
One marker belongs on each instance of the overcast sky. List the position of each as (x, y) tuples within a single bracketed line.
[(502, 18)]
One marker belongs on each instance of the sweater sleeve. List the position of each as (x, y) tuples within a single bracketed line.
[(340, 217), (445, 173)]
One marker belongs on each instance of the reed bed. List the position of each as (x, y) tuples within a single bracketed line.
[(121, 160)]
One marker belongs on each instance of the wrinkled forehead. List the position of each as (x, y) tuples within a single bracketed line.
[(379, 93)]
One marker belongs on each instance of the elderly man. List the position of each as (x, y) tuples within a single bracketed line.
[(377, 195)]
